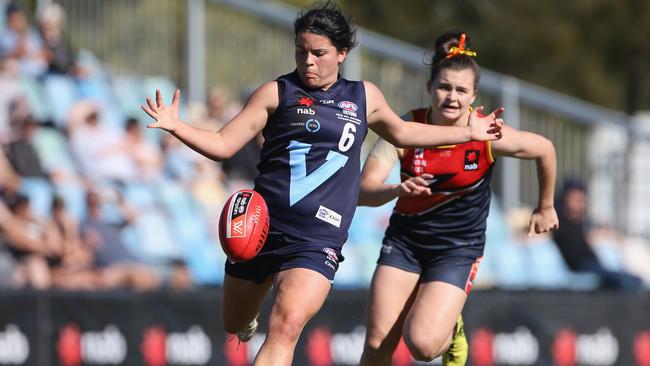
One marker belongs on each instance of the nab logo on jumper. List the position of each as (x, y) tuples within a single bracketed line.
[(471, 159)]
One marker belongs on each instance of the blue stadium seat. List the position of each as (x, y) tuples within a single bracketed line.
[(155, 240), (61, 92), (52, 149), (40, 193), (140, 195), (36, 97), (175, 198), (163, 83), (129, 94), (545, 265), (74, 196), (205, 262)]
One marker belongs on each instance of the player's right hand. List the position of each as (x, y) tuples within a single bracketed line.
[(415, 186), (166, 116), (485, 128)]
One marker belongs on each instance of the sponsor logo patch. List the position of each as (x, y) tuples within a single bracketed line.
[(471, 159), (329, 216), (348, 106), (312, 125), (237, 221), (304, 101)]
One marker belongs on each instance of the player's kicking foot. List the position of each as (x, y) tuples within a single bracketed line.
[(247, 333)]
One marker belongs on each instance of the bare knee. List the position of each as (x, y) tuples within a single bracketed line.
[(287, 326), (376, 341), (426, 347)]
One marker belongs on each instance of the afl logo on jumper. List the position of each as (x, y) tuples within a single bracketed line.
[(471, 159), (348, 106), (312, 125)]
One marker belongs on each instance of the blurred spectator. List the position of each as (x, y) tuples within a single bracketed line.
[(11, 89), (97, 148), (221, 108), (29, 243), (61, 56), (8, 265), (75, 272), (21, 43), (145, 155), (575, 237), (118, 267), (180, 160), (9, 180), (179, 277), (21, 152)]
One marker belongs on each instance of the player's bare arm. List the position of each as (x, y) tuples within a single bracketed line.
[(385, 122), (528, 145), (375, 192), (231, 138)]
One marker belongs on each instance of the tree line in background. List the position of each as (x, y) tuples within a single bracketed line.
[(596, 50)]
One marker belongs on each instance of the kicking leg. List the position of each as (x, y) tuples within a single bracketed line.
[(241, 302), (298, 295)]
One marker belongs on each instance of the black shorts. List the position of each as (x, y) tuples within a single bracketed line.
[(282, 252), (456, 266)]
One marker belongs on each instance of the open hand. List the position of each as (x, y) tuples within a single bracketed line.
[(166, 116), (485, 128)]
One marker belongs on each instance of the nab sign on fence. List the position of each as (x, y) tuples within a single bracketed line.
[(158, 329)]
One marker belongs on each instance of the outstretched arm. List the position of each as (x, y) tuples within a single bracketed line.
[(388, 125), (528, 145), (231, 138)]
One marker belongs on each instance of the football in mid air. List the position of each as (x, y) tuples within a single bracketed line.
[(244, 225)]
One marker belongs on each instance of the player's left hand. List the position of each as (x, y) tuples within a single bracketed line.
[(543, 220), (485, 128), (166, 116)]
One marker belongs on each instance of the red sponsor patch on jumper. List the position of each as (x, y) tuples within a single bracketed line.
[(305, 101)]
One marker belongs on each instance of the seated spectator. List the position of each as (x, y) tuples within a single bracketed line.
[(9, 273), (76, 271), (118, 267), (98, 148), (11, 89), (9, 179), (574, 240), (179, 276), (21, 152), (221, 108), (19, 42), (61, 56), (29, 243), (145, 155)]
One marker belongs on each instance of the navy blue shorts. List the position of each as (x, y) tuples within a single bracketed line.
[(456, 266), (282, 252)]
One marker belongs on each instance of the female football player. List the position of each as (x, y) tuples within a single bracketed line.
[(436, 235)]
